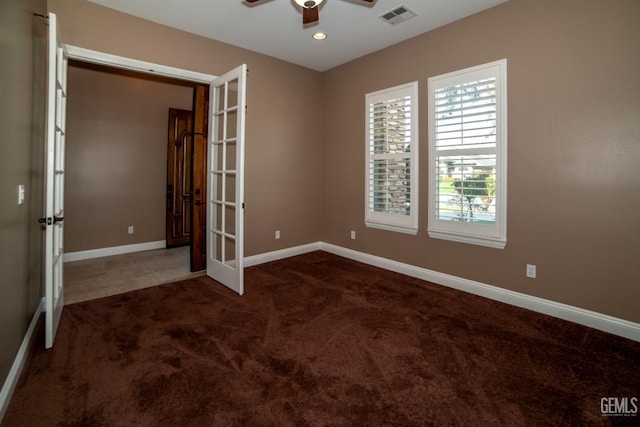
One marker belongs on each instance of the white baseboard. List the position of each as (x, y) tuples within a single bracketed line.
[(14, 374), (581, 316), (592, 319), (114, 250), (280, 254)]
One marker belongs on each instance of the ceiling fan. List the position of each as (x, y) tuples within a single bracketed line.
[(309, 9)]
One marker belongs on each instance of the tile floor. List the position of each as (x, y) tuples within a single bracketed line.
[(100, 277)]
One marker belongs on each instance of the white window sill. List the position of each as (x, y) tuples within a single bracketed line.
[(473, 240), (392, 227)]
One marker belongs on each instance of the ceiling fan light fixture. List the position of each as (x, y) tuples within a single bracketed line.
[(308, 3)]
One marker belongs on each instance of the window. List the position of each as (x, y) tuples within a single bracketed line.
[(468, 155), (391, 159)]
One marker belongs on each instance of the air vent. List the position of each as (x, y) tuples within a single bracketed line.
[(398, 15)]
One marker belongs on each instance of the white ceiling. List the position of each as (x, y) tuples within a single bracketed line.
[(274, 27)]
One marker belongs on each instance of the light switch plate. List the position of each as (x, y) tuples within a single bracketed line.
[(20, 194)]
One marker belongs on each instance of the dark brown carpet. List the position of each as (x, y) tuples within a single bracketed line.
[(319, 340)]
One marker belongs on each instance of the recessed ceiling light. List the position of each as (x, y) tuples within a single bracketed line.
[(319, 36)]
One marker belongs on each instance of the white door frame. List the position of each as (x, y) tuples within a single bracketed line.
[(115, 61)]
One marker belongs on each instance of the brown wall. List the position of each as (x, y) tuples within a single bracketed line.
[(574, 121), (574, 148), (284, 128), (116, 160), (22, 85)]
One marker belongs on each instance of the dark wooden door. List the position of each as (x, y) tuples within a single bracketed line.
[(199, 213), (179, 152)]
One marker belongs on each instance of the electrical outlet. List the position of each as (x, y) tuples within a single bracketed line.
[(531, 271), (277, 234), (353, 235), (130, 229)]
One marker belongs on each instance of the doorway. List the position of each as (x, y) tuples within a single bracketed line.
[(117, 177), (179, 177), (228, 94), (117, 156), (187, 177), (200, 102)]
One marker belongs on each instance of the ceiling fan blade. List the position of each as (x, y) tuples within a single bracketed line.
[(310, 14), (251, 1)]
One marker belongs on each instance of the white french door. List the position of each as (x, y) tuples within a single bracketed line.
[(225, 183), (54, 180)]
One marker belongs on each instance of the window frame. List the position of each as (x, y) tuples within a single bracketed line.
[(489, 235), (388, 221)]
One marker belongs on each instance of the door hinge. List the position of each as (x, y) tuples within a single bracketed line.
[(47, 220)]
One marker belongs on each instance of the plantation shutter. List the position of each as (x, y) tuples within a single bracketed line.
[(465, 139), (468, 155), (390, 154), (390, 124)]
